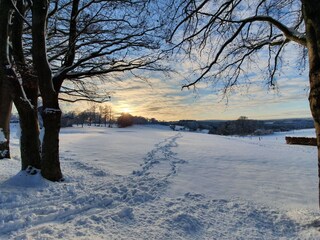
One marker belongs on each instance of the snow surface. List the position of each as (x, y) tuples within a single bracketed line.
[(155, 183)]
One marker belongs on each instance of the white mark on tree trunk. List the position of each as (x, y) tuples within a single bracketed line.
[(51, 110)]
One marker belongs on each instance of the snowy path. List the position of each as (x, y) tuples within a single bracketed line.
[(162, 153), (105, 198), (113, 194)]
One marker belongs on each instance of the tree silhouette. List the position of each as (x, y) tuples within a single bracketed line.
[(125, 120)]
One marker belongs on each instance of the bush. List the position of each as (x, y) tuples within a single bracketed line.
[(125, 120)]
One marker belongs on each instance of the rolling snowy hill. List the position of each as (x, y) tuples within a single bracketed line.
[(154, 183)]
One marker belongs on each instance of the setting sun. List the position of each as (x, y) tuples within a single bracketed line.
[(126, 110)]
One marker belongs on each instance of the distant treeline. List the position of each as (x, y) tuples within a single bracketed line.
[(90, 118), (244, 126), (99, 116), (103, 116)]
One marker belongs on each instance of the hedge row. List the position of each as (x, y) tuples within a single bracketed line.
[(302, 141)]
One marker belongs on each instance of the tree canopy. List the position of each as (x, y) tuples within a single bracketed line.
[(232, 38), (63, 50)]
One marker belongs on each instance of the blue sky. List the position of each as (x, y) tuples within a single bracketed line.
[(160, 96), (163, 98)]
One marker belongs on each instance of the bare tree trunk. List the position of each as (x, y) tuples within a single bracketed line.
[(311, 9), (5, 93), (50, 167), (29, 140), (51, 113), (5, 114)]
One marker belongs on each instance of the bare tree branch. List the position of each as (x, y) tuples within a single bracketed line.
[(225, 35)]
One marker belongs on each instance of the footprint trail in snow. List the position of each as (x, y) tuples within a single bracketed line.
[(96, 204), (111, 196), (162, 154)]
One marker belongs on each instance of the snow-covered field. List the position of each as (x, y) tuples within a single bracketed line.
[(154, 183)]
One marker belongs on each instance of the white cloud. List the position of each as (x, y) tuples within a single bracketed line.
[(160, 96)]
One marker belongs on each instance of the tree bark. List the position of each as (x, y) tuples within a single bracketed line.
[(5, 94), (29, 139), (5, 114), (50, 167), (49, 87), (311, 9), (51, 113)]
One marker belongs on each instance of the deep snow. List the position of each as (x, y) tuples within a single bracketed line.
[(154, 183)]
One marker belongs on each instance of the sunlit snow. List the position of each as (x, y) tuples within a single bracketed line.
[(154, 183)]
